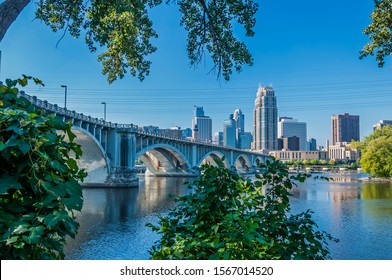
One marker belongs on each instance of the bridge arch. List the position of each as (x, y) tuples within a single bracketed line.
[(242, 162), (164, 159), (93, 159), (210, 159), (258, 160)]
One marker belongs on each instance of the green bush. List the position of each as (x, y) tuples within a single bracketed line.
[(227, 217), (39, 189), (376, 150)]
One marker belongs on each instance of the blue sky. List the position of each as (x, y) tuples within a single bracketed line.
[(307, 50)]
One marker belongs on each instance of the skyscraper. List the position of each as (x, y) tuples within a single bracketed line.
[(201, 126), (345, 128), (198, 111), (289, 127), (239, 120), (229, 132), (240, 126), (265, 117)]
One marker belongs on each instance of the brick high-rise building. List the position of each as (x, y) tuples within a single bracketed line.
[(345, 128)]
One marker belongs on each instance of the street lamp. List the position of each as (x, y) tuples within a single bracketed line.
[(65, 102), (104, 110)]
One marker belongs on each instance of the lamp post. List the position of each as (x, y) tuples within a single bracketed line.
[(104, 110), (65, 101)]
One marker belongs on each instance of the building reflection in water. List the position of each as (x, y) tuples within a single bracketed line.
[(121, 210), (112, 222), (358, 213)]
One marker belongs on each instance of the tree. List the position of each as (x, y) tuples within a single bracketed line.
[(124, 28), (376, 152), (39, 189), (379, 32), (227, 217)]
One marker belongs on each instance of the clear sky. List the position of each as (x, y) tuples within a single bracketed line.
[(307, 50)]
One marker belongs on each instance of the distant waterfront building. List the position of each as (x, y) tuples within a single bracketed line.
[(312, 145), (186, 133), (265, 118), (342, 151), (173, 132), (150, 129), (289, 127), (201, 126), (299, 155), (289, 143), (245, 140), (345, 128), (381, 124), (229, 132)]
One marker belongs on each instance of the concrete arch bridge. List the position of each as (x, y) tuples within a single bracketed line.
[(110, 150)]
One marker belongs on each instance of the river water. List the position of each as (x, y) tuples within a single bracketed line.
[(112, 221)]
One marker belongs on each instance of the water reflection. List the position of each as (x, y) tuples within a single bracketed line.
[(357, 213), (112, 222), (376, 191), (110, 215)]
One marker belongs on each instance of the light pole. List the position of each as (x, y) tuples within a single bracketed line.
[(65, 102), (104, 110)]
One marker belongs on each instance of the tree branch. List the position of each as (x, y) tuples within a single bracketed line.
[(9, 11)]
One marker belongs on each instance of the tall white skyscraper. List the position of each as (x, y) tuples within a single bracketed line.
[(289, 127), (265, 119), (201, 126)]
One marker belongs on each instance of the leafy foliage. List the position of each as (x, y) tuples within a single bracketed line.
[(39, 189), (376, 152), (125, 29), (227, 217), (379, 32)]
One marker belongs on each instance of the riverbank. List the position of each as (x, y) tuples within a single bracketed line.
[(376, 180)]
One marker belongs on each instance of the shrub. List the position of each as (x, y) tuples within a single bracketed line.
[(227, 217), (39, 189)]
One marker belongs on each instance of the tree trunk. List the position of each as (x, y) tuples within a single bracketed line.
[(9, 11)]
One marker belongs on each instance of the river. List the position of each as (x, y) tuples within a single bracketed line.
[(112, 221)]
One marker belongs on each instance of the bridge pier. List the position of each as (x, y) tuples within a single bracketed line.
[(123, 177)]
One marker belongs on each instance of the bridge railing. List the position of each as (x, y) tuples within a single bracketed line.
[(54, 108)]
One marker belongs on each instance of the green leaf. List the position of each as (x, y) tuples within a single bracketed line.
[(71, 135), (72, 187), (55, 164), (11, 240), (35, 235), (51, 138), (51, 220), (11, 83), (24, 147), (2, 146), (72, 164), (22, 82), (22, 228), (8, 182), (15, 128), (58, 123)]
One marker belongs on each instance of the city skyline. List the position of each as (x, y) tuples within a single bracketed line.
[(310, 57)]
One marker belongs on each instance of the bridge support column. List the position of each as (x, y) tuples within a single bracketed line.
[(125, 175)]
